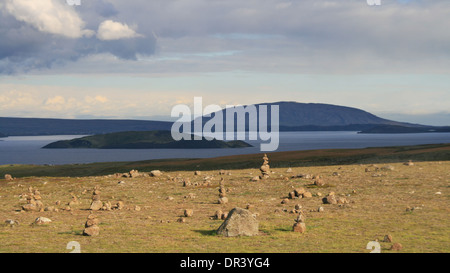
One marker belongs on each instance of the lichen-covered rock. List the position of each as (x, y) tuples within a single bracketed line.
[(240, 222)]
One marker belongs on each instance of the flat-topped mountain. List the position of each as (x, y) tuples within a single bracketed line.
[(142, 140), (296, 116)]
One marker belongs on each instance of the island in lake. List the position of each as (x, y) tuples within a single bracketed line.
[(142, 140)]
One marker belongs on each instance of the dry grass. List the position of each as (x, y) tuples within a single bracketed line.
[(378, 207)]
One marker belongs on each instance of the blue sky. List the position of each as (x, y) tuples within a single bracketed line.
[(136, 59)]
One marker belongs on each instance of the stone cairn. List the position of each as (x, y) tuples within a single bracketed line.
[(300, 225), (223, 199), (34, 200), (265, 168), (96, 203), (91, 226)]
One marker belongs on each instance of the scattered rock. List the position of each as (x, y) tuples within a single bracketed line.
[(8, 177), (320, 209), (170, 198), (319, 182), (289, 170), (307, 195), (155, 173), (285, 201), (51, 209), (181, 220), (387, 168), (190, 196), (197, 173), (387, 238), (330, 199), (120, 205), (30, 207), (42, 221), (137, 208), (240, 222), (342, 200), (96, 205), (188, 212), (396, 246), (223, 200), (299, 192), (218, 215), (409, 163), (12, 222), (134, 174), (255, 178)]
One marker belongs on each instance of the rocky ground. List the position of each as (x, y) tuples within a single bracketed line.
[(403, 206)]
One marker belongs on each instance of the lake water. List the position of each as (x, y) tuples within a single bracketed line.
[(27, 149)]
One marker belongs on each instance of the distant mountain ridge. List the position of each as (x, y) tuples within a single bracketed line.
[(45, 126), (294, 116)]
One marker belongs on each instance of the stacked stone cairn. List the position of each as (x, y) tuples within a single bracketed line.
[(300, 225), (265, 168), (91, 226), (223, 199), (96, 203), (34, 200)]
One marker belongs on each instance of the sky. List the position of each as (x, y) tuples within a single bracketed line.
[(137, 59)]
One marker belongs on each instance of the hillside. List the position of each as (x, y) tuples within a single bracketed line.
[(40, 126), (296, 116), (141, 140)]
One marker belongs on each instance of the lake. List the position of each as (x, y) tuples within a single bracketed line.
[(27, 149)]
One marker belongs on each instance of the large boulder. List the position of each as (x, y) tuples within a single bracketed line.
[(240, 222)]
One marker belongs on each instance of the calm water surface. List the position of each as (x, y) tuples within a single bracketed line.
[(27, 149)]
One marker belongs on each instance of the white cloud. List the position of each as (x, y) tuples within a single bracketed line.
[(95, 100), (55, 100), (110, 30), (50, 16)]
